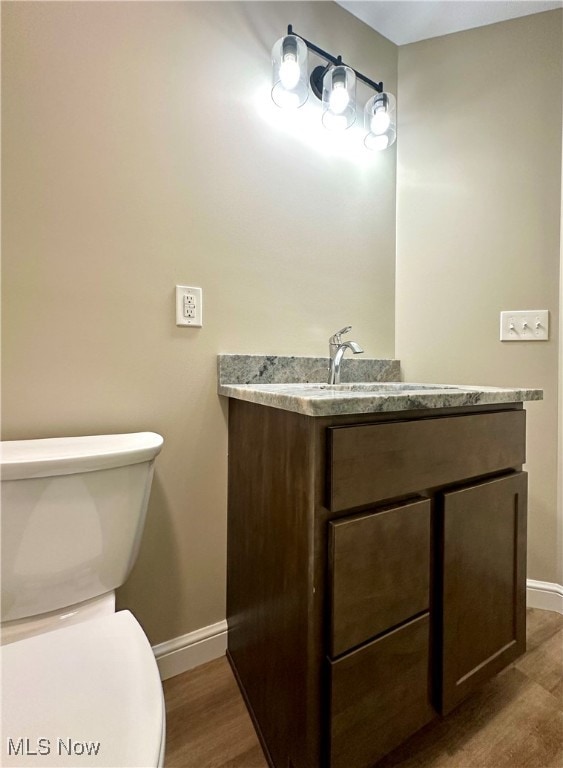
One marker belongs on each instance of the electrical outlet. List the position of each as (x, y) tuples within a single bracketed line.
[(189, 309), (524, 325)]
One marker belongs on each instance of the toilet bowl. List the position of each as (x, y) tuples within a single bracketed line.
[(87, 694), (80, 684)]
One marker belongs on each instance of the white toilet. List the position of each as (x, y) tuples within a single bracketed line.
[(80, 684)]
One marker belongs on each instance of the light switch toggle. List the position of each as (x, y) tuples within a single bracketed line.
[(524, 325), (189, 310)]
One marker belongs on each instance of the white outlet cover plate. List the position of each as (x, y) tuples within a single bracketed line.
[(194, 295), (524, 325)]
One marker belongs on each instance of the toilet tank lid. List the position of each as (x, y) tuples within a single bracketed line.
[(22, 459)]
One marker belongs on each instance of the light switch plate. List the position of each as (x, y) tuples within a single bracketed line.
[(189, 309), (524, 325)]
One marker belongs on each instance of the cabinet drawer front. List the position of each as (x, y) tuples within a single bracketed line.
[(372, 462), (379, 572), (483, 583), (379, 696)]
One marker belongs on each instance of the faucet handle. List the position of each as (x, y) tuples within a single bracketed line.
[(336, 337)]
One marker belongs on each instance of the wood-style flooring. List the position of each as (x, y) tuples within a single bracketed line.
[(514, 721)]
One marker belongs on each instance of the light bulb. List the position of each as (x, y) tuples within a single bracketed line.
[(376, 142), (381, 142), (380, 121), (339, 98), (334, 122), (287, 99), (289, 72)]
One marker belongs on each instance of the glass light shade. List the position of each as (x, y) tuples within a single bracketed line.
[(290, 87), (380, 121), (339, 98)]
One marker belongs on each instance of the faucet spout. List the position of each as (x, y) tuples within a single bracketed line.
[(337, 357), (356, 349)]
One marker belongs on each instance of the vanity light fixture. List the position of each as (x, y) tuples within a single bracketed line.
[(289, 60), (339, 98), (334, 84), (380, 121)]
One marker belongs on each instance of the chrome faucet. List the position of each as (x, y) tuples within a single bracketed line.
[(337, 348)]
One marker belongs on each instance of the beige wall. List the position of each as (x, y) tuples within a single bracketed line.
[(478, 222), (141, 149)]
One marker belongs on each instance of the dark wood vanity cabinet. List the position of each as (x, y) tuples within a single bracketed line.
[(376, 571)]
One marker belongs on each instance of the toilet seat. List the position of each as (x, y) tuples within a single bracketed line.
[(67, 690)]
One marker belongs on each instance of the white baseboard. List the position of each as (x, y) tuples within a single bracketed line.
[(543, 594), (188, 651)]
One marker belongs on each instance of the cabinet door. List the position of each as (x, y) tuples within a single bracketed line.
[(483, 583)]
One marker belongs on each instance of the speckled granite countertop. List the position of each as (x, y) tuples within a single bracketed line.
[(296, 384)]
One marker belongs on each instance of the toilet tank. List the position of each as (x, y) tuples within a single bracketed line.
[(72, 515)]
